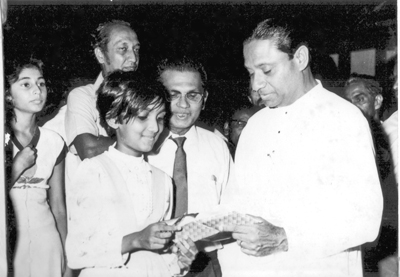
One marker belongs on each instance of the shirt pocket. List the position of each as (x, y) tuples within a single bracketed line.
[(204, 192)]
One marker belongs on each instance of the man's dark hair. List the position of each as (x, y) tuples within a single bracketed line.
[(182, 65), (287, 35), (123, 95), (103, 31)]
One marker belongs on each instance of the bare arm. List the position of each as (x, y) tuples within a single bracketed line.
[(57, 203), (89, 146)]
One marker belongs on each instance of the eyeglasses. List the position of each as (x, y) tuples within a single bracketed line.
[(194, 97), (238, 123)]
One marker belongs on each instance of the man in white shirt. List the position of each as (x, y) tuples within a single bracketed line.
[(208, 161), (305, 165), (116, 46)]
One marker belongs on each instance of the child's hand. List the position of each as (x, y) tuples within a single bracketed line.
[(156, 236), (25, 158), (186, 251)]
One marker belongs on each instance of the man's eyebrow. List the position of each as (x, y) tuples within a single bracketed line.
[(193, 90), (260, 65), (125, 42)]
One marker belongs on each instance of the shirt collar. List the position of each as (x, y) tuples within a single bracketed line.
[(303, 99), (123, 158), (191, 138), (33, 142)]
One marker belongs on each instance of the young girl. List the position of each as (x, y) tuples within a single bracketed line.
[(117, 200), (37, 178)]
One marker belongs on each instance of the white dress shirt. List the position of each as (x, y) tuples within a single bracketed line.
[(209, 166)]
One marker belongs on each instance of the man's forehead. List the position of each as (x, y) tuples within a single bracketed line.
[(258, 53), (173, 77), (241, 115), (357, 87), (122, 33)]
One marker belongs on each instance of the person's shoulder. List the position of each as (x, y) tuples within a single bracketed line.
[(202, 132), (96, 162), (210, 139), (331, 101), (82, 91), (51, 135)]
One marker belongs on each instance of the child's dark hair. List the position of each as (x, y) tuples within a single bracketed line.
[(123, 95)]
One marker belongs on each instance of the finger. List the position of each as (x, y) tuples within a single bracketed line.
[(240, 236), (158, 243), (249, 252), (258, 219), (239, 229), (191, 245), (185, 249), (164, 234), (181, 265), (185, 260), (168, 228), (246, 245), (174, 249), (260, 253), (31, 146)]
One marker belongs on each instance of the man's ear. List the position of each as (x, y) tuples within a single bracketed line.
[(100, 55), (302, 57), (204, 100), (112, 123), (378, 101)]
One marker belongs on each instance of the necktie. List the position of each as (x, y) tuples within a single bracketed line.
[(180, 179)]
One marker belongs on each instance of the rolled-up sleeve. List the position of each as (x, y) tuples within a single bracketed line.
[(81, 115)]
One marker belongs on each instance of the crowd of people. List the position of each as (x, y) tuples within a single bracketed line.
[(99, 189)]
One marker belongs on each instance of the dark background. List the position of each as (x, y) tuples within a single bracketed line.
[(213, 32)]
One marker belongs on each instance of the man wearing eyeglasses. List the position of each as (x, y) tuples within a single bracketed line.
[(208, 161)]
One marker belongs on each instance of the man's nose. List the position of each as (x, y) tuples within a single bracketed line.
[(258, 82), (133, 56), (183, 102)]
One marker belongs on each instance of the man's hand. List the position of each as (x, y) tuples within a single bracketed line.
[(259, 239)]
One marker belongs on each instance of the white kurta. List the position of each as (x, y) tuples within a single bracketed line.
[(310, 169), (113, 195)]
